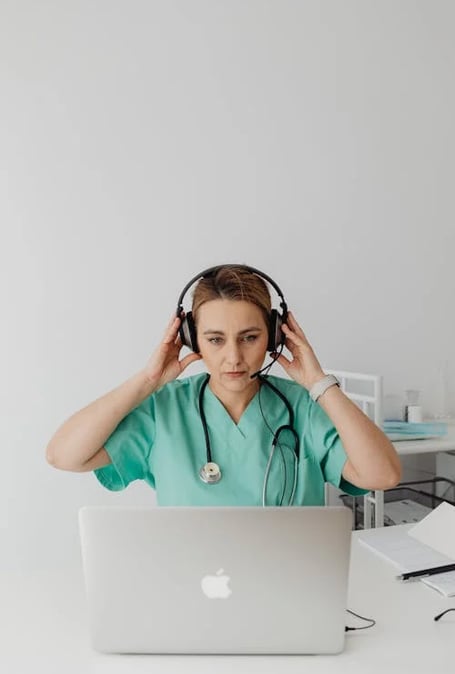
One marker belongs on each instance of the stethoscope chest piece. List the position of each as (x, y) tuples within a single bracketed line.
[(210, 473)]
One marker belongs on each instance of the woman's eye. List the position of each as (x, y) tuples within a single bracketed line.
[(219, 340)]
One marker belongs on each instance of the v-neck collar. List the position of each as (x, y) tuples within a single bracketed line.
[(213, 404)]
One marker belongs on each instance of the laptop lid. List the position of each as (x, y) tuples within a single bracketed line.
[(216, 580)]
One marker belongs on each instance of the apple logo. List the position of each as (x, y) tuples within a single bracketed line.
[(216, 587)]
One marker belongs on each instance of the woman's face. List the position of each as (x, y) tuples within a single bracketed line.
[(232, 338)]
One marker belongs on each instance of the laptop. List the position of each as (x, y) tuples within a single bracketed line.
[(218, 580)]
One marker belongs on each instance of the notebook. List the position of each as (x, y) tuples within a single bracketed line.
[(216, 580), (408, 554)]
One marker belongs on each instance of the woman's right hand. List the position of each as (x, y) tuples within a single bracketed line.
[(164, 365)]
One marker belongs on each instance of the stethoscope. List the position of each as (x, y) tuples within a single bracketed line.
[(210, 472)]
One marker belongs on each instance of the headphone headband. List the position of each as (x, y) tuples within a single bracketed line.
[(211, 271)]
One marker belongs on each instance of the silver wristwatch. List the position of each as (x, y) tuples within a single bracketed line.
[(322, 385)]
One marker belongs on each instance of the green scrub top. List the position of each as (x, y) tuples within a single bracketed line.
[(162, 442)]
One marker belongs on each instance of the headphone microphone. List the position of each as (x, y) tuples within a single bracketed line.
[(269, 365)]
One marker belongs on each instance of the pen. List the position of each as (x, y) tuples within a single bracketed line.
[(427, 572)]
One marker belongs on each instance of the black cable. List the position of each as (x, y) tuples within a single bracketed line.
[(276, 434), (437, 617), (265, 381), (262, 412), (273, 435), (365, 627)]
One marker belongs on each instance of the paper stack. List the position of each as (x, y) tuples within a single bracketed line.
[(428, 544)]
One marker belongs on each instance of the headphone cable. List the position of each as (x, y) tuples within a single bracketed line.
[(263, 380)]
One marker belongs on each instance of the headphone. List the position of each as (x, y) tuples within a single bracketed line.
[(187, 330)]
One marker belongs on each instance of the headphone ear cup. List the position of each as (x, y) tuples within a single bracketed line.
[(276, 337), (187, 332)]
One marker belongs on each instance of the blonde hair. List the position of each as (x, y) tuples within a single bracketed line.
[(233, 282)]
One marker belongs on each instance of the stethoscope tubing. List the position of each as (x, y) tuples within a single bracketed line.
[(210, 473)]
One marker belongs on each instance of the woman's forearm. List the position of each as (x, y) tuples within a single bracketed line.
[(78, 439), (372, 457)]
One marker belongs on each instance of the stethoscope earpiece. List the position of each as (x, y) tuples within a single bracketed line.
[(210, 473)]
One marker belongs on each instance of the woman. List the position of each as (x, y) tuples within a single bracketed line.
[(232, 436)]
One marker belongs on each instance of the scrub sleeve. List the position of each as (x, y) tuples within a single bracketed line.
[(129, 449)]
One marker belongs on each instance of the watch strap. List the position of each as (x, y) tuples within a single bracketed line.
[(322, 385)]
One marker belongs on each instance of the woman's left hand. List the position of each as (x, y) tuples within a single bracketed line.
[(304, 367)]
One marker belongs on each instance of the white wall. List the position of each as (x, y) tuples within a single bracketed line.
[(142, 141)]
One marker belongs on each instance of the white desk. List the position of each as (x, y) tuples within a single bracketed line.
[(43, 628), (405, 448)]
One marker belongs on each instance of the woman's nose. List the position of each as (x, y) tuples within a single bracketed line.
[(233, 353)]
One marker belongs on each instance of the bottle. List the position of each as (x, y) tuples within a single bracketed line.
[(412, 409)]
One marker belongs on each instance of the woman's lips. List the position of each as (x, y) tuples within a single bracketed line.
[(235, 375)]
